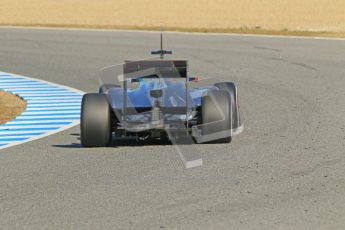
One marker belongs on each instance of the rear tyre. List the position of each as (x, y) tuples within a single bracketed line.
[(216, 116), (231, 88), (95, 121)]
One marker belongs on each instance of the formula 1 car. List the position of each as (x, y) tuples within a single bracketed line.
[(152, 98)]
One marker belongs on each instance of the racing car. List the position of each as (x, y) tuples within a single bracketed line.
[(154, 99)]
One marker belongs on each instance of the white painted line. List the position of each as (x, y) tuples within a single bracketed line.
[(52, 108), (49, 108), (23, 81), (51, 98), (39, 90), (21, 136), (35, 122), (31, 83), (11, 132), (41, 136), (23, 87), (27, 86), (47, 112), (57, 94), (9, 128), (53, 101), (55, 106), (49, 116), (57, 85), (7, 142)]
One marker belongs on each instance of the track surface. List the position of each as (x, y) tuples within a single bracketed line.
[(286, 171)]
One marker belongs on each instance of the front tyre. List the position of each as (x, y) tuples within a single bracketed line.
[(95, 121)]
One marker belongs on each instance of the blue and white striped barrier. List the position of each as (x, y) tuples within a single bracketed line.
[(50, 108)]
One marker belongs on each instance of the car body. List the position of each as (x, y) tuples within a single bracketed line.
[(155, 98)]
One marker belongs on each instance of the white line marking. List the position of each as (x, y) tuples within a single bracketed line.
[(11, 132), (22, 86), (9, 128), (52, 98), (56, 85), (40, 91), (35, 122), (47, 112), (31, 83), (53, 108), (23, 81), (49, 116), (20, 136), (41, 136), (8, 142), (54, 101), (57, 94), (37, 90), (28, 86)]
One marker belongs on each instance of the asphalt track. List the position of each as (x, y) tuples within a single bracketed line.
[(285, 171)]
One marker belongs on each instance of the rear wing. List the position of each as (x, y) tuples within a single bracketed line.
[(160, 68)]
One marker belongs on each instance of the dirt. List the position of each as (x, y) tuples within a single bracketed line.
[(308, 17), (10, 106)]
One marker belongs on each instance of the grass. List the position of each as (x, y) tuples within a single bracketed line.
[(10, 106)]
